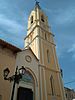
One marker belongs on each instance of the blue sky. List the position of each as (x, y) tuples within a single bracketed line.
[(61, 16)]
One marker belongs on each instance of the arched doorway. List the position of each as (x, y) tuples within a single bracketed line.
[(26, 88)]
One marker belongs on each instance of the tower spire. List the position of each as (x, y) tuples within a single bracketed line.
[(37, 4)]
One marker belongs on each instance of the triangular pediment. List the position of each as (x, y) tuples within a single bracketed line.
[(30, 50)]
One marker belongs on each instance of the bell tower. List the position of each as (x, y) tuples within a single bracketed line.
[(40, 39), (38, 30)]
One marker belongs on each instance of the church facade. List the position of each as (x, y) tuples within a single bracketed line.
[(42, 80)]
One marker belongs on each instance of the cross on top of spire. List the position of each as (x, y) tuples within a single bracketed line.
[(37, 4)]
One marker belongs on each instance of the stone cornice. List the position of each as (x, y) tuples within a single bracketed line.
[(41, 28)]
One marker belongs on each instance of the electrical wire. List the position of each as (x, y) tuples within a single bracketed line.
[(70, 82)]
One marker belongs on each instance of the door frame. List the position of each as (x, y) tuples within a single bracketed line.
[(24, 89)]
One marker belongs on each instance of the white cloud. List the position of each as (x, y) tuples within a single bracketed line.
[(72, 50), (12, 27), (10, 23), (62, 16), (66, 16)]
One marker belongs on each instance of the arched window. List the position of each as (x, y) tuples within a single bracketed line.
[(52, 84), (27, 77), (42, 18), (31, 37), (45, 36), (48, 56), (31, 19)]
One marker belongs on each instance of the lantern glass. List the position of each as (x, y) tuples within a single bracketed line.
[(22, 70), (6, 72)]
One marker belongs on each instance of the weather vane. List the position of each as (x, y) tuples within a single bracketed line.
[(37, 3)]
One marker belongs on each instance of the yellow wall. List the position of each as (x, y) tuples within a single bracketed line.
[(7, 59)]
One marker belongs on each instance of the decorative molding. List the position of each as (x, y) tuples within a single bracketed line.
[(40, 38), (57, 71), (54, 95), (41, 28)]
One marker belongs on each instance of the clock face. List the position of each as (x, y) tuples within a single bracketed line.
[(28, 58)]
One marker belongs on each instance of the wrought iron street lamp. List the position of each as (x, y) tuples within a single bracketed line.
[(16, 77)]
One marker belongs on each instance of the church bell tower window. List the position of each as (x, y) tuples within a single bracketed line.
[(45, 36), (42, 18), (31, 19), (52, 84), (48, 56)]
